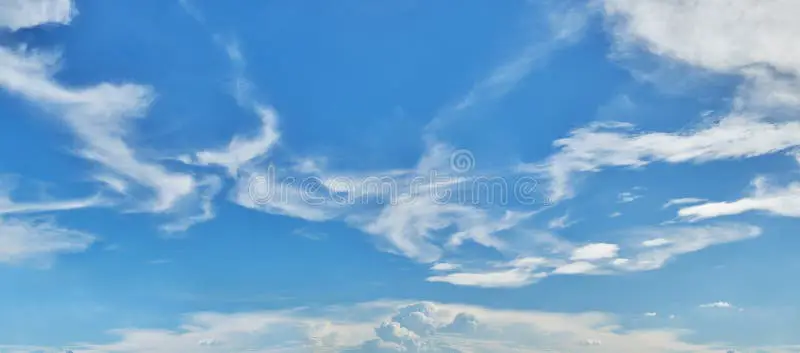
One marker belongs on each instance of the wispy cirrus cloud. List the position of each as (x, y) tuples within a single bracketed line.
[(38, 242), (776, 200), (601, 146), (99, 116), (414, 227), (10, 207), (682, 201), (242, 150), (561, 222), (564, 26)]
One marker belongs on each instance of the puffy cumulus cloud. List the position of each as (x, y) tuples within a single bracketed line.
[(38, 242), (749, 38), (397, 327), (777, 200), (18, 14), (642, 249), (720, 35)]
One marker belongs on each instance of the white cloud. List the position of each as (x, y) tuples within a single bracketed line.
[(512, 274), (782, 201), (655, 242), (720, 35), (564, 27), (242, 150), (575, 268), (99, 116), (665, 243), (718, 305), (643, 250), (397, 327), (682, 201), (38, 242), (270, 192), (560, 222), (651, 314), (402, 208), (599, 146), (445, 266), (410, 226), (207, 191), (512, 278), (749, 38), (627, 196), (8, 206), (18, 14), (595, 251), (615, 214)]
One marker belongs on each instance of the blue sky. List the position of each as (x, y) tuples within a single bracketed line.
[(399, 176)]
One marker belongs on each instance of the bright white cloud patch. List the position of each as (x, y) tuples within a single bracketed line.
[(18, 14), (718, 305), (38, 242), (575, 268), (782, 201), (720, 35), (445, 266), (508, 278), (595, 252)]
